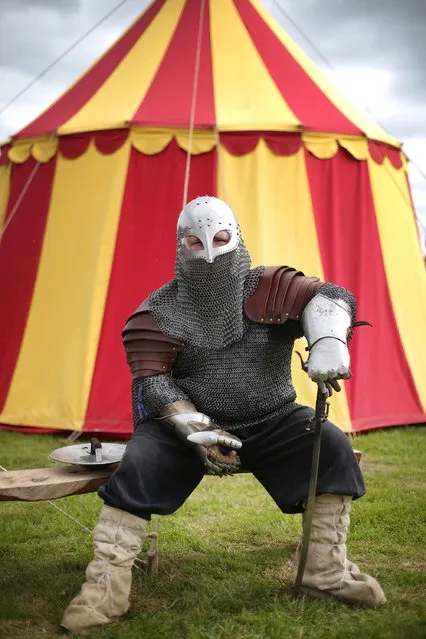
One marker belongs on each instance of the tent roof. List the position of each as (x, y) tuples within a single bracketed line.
[(251, 77)]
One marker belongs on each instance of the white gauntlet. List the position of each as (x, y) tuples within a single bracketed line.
[(183, 419), (326, 323), (186, 423)]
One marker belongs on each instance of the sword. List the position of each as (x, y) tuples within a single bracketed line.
[(321, 414)]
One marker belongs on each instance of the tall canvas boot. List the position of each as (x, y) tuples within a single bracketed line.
[(328, 572), (104, 597)]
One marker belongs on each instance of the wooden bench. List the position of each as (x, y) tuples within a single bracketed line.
[(44, 484)]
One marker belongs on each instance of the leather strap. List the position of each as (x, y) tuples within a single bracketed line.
[(309, 348)]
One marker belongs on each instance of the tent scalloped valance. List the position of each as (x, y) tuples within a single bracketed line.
[(153, 141)]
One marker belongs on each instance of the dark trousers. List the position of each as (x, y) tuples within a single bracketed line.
[(158, 472)]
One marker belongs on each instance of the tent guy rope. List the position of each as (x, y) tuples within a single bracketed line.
[(76, 521), (193, 103), (192, 118), (22, 193), (59, 58), (20, 198)]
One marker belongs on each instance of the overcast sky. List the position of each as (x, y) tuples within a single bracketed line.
[(376, 49)]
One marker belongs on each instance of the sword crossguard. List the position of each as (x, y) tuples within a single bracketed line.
[(323, 417)]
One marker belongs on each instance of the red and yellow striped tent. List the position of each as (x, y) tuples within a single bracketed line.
[(91, 190)]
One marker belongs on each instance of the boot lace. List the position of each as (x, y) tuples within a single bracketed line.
[(104, 583)]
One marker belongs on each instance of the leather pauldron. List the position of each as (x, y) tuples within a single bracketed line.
[(149, 351), (282, 294)]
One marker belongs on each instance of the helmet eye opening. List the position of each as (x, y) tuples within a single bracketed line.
[(221, 238), (194, 243)]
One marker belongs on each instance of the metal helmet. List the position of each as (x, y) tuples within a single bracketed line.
[(203, 304), (203, 218)]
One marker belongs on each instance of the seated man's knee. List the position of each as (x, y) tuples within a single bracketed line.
[(335, 442)]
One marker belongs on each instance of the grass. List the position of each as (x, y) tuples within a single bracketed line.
[(225, 557)]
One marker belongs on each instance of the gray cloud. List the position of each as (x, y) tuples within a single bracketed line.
[(22, 6), (365, 30), (34, 38)]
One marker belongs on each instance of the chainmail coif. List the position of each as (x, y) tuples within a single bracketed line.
[(203, 305)]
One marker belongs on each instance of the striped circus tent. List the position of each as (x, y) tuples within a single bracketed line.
[(199, 97)]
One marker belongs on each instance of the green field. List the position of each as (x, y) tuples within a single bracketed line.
[(225, 558)]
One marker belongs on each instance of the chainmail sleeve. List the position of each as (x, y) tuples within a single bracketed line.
[(334, 292), (151, 356), (151, 394)]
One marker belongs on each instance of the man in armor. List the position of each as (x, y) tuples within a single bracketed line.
[(210, 355)]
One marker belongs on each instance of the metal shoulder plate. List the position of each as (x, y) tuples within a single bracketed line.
[(149, 351), (281, 294)]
